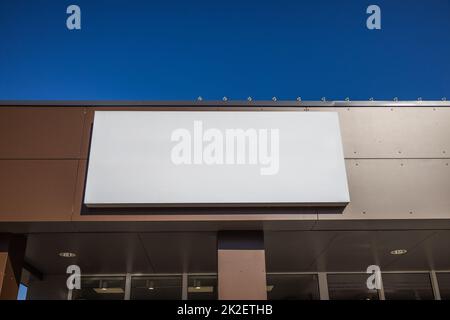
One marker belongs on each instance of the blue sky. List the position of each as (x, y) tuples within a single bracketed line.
[(178, 50)]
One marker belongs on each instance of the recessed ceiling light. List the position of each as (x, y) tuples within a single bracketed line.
[(197, 284), (399, 251), (67, 254), (201, 289)]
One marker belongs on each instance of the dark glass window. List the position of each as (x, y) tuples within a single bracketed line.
[(407, 286), (292, 287), (444, 285), (202, 287), (100, 288), (352, 286), (156, 288)]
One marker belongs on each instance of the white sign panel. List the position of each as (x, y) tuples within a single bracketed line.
[(148, 158)]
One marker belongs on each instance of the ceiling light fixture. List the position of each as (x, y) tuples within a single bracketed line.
[(204, 289), (108, 290), (67, 254), (398, 252)]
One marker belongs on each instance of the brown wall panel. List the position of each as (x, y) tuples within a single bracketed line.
[(37, 190), (47, 190), (242, 274), (375, 134), (41, 133)]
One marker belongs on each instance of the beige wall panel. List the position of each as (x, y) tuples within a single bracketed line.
[(397, 189), (41, 133), (401, 132), (37, 190)]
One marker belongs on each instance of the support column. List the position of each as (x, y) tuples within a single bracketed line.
[(241, 265), (12, 252), (323, 286)]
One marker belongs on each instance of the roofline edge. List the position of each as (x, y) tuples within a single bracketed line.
[(221, 103)]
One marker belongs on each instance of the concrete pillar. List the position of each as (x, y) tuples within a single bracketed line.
[(12, 252), (241, 265)]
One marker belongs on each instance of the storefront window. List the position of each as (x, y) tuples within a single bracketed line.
[(22, 294), (407, 286), (292, 287), (100, 288), (350, 287), (156, 288), (202, 287), (444, 285)]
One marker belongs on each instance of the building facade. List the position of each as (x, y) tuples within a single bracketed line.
[(397, 166)]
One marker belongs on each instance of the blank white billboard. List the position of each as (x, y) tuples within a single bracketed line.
[(158, 158)]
